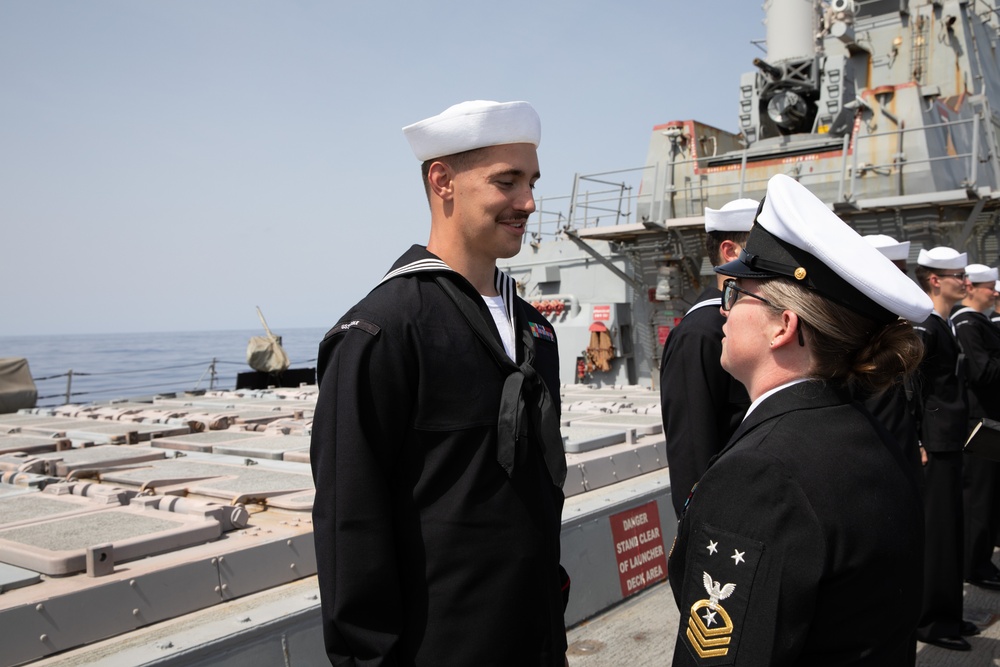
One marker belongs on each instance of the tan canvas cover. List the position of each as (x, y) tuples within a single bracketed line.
[(264, 353), (600, 352), (17, 389)]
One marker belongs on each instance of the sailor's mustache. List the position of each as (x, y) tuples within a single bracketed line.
[(517, 217)]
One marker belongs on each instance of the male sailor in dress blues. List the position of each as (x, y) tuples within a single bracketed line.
[(943, 427), (436, 449), (800, 544), (700, 402), (995, 316), (980, 342), (897, 407)]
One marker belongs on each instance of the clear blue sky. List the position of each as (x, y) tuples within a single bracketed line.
[(169, 164)]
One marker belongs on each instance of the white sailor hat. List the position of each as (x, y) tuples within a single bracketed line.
[(980, 273), (734, 216), (892, 249), (797, 236), (942, 258), (476, 124)]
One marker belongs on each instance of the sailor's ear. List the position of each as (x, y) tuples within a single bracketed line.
[(729, 250), (787, 330), (441, 179)]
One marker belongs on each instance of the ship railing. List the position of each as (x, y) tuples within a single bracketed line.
[(96, 384), (609, 202), (851, 169), (967, 174), (617, 197)]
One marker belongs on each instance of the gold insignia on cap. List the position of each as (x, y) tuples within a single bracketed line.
[(709, 627), (800, 273)]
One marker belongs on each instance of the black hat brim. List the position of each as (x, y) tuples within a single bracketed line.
[(737, 269)]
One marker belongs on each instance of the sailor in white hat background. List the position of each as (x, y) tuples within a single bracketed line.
[(437, 525), (980, 341), (700, 402), (797, 545), (897, 252), (897, 406), (995, 317), (943, 428)]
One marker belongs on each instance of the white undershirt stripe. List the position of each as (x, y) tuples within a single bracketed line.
[(499, 313)]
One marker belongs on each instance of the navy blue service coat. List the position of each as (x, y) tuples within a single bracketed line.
[(701, 404), (801, 543), (429, 554)]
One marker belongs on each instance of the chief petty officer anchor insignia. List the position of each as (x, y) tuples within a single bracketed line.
[(720, 597)]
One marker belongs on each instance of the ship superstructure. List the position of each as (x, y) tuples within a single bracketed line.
[(885, 109)]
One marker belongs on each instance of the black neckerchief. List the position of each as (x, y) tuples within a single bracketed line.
[(525, 399)]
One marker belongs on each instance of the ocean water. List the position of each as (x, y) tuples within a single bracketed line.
[(114, 366)]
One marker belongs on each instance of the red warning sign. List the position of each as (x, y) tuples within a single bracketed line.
[(642, 560), (662, 333), (602, 313)]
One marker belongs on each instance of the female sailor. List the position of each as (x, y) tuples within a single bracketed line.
[(801, 543)]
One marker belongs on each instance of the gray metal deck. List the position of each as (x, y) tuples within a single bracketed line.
[(640, 632)]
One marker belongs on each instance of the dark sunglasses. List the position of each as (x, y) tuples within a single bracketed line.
[(731, 293), (960, 276)]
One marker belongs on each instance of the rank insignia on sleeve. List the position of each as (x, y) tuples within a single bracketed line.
[(720, 570), (541, 331), (346, 325)]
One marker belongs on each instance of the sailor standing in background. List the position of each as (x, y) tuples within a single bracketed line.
[(995, 316), (981, 344), (897, 406), (943, 428), (701, 403), (436, 449), (798, 544)]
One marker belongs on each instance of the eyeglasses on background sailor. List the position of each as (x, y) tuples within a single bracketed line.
[(942, 426)]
